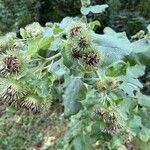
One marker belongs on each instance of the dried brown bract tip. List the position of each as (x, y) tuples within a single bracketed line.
[(112, 117), (11, 64), (91, 59), (112, 129), (99, 113), (75, 31), (8, 96), (31, 107), (76, 53), (83, 43)]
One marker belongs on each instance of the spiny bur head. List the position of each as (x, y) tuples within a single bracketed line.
[(11, 64), (10, 36), (17, 44), (112, 117), (35, 104), (34, 29), (83, 42), (91, 60), (76, 29), (11, 91), (99, 112), (3, 45), (76, 53), (112, 129), (106, 85), (9, 96)]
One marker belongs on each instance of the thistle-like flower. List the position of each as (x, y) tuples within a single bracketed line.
[(83, 42), (91, 60), (99, 113), (76, 53), (112, 129), (17, 44), (106, 85), (113, 117), (3, 45), (76, 29), (12, 62), (32, 30), (11, 91), (35, 104)]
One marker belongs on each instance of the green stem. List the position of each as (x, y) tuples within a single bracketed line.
[(53, 57), (98, 74)]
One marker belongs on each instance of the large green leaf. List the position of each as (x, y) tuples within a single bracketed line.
[(75, 91), (37, 43), (116, 69), (144, 134), (125, 107), (58, 68), (93, 9), (144, 100), (145, 113), (135, 124), (130, 83), (82, 142), (114, 46), (140, 51)]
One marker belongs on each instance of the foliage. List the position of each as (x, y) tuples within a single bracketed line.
[(94, 76), (17, 13)]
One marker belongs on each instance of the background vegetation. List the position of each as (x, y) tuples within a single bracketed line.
[(122, 15)]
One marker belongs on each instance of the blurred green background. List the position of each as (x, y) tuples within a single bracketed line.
[(122, 15)]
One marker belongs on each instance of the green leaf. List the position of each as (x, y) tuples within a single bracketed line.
[(55, 44), (140, 51), (141, 145), (82, 142), (130, 83), (144, 134), (93, 24), (45, 42), (143, 100), (58, 68), (135, 124), (114, 46), (126, 107), (144, 114), (57, 30), (94, 9), (37, 43), (116, 69), (33, 45), (75, 91)]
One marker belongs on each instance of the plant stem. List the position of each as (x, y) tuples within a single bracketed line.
[(53, 57)]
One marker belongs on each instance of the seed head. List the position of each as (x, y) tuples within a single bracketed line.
[(99, 113), (9, 96), (11, 64), (83, 43), (75, 31), (112, 117), (112, 129), (76, 53), (34, 104), (91, 59)]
